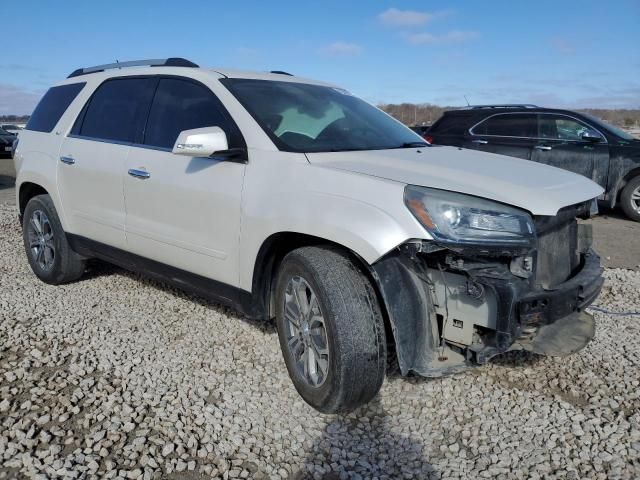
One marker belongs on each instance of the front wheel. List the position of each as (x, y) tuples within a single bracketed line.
[(630, 199), (331, 329)]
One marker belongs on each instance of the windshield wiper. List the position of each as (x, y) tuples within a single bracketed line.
[(360, 149)]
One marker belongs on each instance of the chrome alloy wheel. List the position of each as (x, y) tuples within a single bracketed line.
[(635, 199), (306, 332), (40, 235)]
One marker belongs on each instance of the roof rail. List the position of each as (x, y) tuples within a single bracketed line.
[(503, 105), (158, 62), (280, 72)]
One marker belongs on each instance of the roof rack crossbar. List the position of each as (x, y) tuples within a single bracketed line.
[(280, 72), (156, 62), (504, 105)]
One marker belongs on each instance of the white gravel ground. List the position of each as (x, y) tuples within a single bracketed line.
[(118, 376)]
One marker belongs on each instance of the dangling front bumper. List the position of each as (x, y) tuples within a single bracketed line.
[(451, 310)]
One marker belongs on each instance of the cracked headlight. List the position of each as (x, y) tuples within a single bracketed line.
[(457, 218)]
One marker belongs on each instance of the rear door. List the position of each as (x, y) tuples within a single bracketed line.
[(509, 134), (184, 211), (561, 145), (93, 158)]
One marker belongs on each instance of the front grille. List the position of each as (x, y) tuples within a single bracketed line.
[(558, 255)]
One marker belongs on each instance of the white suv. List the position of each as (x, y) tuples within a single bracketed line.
[(292, 199)]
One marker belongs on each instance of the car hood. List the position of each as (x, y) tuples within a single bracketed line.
[(540, 189)]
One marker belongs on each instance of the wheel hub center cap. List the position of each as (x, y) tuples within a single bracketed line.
[(306, 332)]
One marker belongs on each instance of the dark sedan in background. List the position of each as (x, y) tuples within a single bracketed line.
[(7, 140), (573, 141)]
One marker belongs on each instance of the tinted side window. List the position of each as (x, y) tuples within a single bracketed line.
[(559, 127), (54, 103), (449, 125), (508, 125), (117, 108), (182, 105)]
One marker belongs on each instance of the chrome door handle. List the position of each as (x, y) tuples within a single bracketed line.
[(139, 173), (542, 147), (67, 160), (481, 142)]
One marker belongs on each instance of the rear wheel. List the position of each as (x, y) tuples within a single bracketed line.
[(630, 199), (331, 329), (45, 243)]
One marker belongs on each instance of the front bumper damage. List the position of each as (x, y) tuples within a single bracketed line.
[(451, 309)]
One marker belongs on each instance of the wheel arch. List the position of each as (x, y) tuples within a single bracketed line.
[(630, 175), (277, 246), (26, 192)]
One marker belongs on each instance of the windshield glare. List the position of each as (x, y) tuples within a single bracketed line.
[(312, 118)]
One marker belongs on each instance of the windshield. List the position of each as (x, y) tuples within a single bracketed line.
[(610, 128), (311, 118)]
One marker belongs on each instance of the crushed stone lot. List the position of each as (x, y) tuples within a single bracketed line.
[(119, 376)]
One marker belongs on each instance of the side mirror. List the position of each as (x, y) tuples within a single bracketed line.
[(201, 142), (592, 136)]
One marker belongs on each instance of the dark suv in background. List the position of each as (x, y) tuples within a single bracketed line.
[(573, 141)]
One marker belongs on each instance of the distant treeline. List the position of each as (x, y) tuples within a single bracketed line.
[(417, 114), (14, 118)]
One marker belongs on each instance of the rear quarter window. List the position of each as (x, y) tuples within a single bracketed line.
[(52, 106), (449, 125)]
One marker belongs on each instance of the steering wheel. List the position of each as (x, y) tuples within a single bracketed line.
[(295, 139), (341, 129)]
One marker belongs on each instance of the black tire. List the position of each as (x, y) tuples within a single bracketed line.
[(629, 206), (354, 327), (65, 265)]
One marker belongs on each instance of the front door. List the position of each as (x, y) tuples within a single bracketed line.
[(93, 159), (505, 134), (184, 211), (561, 145)]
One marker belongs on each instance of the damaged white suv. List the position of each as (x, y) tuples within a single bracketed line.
[(291, 199)]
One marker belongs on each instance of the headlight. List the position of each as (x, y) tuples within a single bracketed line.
[(463, 219)]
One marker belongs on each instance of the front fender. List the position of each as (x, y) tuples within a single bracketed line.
[(624, 164), (364, 214)]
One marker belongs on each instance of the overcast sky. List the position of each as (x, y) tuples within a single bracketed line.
[(554, 53)]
